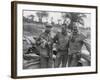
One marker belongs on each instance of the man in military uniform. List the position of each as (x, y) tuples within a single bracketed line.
[(76, 43), (45, 45), (61, 39)]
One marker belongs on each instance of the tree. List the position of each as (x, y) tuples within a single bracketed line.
[(74, 17), (24, 19), (52, 22), (32, 17), (59, 20), (41, 14)]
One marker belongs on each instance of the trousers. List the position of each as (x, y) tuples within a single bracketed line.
[(45, 59), (73, 59), (61, 59)]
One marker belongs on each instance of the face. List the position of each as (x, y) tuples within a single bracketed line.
[(74, 33), (48, 30), (64, 30), (75, 30)]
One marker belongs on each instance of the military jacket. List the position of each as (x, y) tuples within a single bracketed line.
[(61, 41), (76, 45)]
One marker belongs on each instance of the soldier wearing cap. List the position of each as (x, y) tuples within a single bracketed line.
[(75, 46), (45, 45), (61, 39)]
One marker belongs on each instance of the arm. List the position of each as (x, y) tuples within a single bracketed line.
[(55, 39), (85, 42), (87, 46), (41, 41)]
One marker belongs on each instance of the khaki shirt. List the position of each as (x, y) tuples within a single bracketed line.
[(45, 45), (62, 41), (76, 45)]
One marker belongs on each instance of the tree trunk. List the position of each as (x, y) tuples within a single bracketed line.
[(40, 20)]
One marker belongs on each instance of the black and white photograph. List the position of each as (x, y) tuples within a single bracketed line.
[(56, 39), (53, 39)]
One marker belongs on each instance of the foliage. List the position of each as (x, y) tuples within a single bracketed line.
[(74, 17), (41, 14), (32, 17)]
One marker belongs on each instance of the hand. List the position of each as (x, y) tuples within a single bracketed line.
[(42, 45), (49, 43)]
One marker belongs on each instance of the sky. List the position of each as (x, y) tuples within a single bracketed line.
[(56, 16)]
